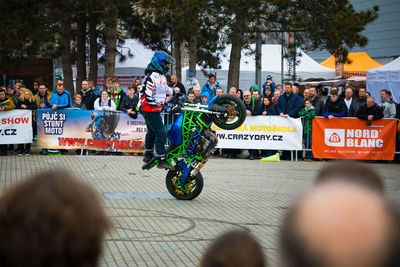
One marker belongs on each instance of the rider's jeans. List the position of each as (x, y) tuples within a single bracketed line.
[(156, 133)]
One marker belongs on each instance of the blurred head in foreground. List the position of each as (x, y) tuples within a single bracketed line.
[(341, 224), (51, 219), (350, 171), (236, 248)]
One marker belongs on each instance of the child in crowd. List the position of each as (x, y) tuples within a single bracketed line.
[(78, 102), (307, 113)]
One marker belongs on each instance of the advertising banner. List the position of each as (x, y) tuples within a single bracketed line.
[(263, 132), (351, 138), (16, 126), (91, 129)]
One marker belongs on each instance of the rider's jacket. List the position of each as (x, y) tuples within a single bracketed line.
[(154, 91)]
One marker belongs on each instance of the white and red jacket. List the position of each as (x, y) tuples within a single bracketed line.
[(154, 92)]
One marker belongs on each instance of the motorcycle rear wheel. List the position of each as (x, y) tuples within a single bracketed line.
[(235, 113), (190, 190)]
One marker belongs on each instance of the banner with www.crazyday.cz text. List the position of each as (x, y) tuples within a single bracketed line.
[(16, 126), (91, 129), (263, 132)]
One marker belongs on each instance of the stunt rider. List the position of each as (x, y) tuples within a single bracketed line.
[(152, 96)]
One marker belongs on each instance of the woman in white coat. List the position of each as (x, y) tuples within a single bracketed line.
[(104, 102)]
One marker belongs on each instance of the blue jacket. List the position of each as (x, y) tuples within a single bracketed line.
[(208, 88), (272, 85), (289, 105), (63, 101)]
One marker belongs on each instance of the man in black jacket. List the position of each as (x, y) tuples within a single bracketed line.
[(370, 111), (88, 96)]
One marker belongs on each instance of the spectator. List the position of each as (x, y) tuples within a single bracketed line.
[(334, 90), (6, 104), (316, 102), (358, 102), (176, 83), (211, 86), (370, 111), (60, 98), (267, 106), (267, 92), (388, 107), (95, 89), (104, 102), (43, 97), (307, 114), (204, 98), (219, 91), (197, 95), (269, 83), (190, 97), (348, 99), (341, 224), (26, 101), (35, 88), (88, 96), (251, 104), (232, 153), (256, 95), (17, 89), (306, 94), (235, 248), (277, 94), (253, 107), (191, 82), (117, 94), (239, 93), (51, 219), (288, 103), (78, 102), (129, 103), (296, 88), (253, 88), (137, 82), (335, 107), (349, 171), (10, 91), (279, 88), (109, 84)]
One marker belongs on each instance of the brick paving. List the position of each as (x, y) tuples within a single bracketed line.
[(154, 229)]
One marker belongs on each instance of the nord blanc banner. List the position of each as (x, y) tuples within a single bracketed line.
[(16, 126), (350, 138), (263, 132)]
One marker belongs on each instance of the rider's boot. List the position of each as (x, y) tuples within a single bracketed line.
[(163, 164), (148, 155)]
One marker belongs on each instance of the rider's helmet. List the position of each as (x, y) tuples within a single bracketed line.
[(93, 115), (161, 61)]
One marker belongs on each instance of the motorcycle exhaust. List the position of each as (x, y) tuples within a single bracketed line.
[(197, 168)]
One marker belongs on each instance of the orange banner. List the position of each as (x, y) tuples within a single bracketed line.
[(351, 138)]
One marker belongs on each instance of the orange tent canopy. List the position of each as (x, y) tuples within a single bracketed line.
[(360, 63)]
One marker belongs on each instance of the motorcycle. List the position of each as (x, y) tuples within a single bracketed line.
[(192, 142)]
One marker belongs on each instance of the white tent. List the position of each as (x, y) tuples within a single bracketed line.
[(385, 77), (270, 65)]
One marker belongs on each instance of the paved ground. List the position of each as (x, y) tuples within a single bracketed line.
[(155, 230)]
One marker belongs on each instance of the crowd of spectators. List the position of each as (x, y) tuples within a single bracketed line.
[(270, 100), (344, 219)]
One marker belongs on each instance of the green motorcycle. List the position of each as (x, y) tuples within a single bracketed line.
[(192, 142)]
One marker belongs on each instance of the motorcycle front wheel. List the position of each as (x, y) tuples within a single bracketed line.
[(190, 190), (234, 114)]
